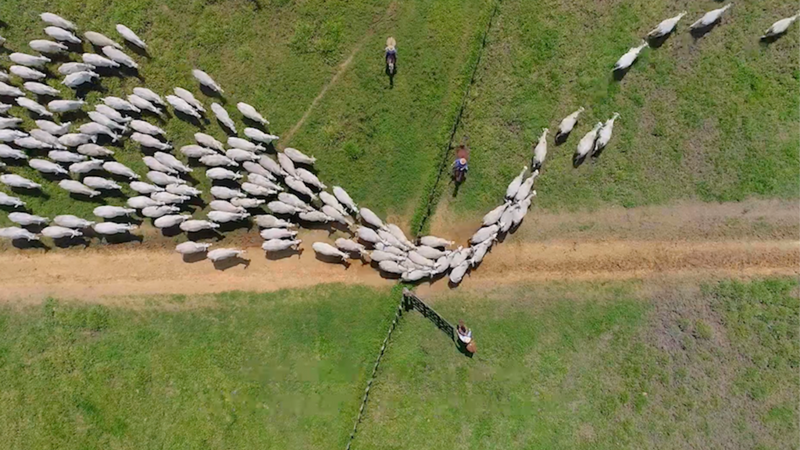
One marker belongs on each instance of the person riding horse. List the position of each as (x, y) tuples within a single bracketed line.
[(391, 55), (461, 164)]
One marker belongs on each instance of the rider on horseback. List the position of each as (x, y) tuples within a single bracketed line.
[(391, 54), (460, 165)]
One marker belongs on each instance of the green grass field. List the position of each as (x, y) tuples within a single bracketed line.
[(713, 119), (560, 365), (280, 370), (583, 366), (379, 143)]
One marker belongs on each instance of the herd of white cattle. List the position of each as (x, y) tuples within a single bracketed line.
[(286, 185)]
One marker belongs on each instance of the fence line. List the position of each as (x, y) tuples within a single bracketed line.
[(397, 315)]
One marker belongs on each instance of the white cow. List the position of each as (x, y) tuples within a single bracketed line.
[(198, 225), (224, 253), (119, 169), (277, 245), (189, 247), (223, 117), (328, 250), (7, 200), (26, 219), (144, 188), (70, 221), (206, 80), (113, 228), (57, 21), (100, 40), (269, 221), (56, 232), (110, 212), (76, 187), (171, 220), (251, 113), (149, 95), (16, 181), (513, 187), (130, 36)]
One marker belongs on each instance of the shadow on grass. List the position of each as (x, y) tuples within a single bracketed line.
[(24, 244)]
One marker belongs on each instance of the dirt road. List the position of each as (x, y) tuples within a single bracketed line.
[(740, 240)]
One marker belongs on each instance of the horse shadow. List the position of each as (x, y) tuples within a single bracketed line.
[(391, 73), (229, 263)]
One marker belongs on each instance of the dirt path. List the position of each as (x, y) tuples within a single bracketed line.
[(617, 246)]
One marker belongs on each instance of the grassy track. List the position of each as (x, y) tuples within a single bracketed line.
[(281, 370), (379, 143), (713, 119), (597, 366)]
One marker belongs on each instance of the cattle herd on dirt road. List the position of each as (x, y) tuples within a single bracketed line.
[(277, 193)]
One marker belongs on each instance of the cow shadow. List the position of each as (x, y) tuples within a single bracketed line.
[(255, 124), (136, 49), (171, 231), (561, 138), (767, 40), (235, 225), (619, 74), (192, 258), (67, 242), (577, 160), (204, 234), (283, 254), (192, 120), (700, 32), (82, 91), (208, 92), (657, 42), (31, 192), (123, 238), (229, 263), (332, 260), (24, 244), (97, 200)]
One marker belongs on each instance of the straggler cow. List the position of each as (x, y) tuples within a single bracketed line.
[(224, 253), (251, 113), (710, 17), (70, 221), (189, 247), (299, 157), (56, 232), (325, 249), (665, 27), (206, 80)]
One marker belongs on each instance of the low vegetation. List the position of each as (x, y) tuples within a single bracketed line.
[(597, 366), (236, 370)]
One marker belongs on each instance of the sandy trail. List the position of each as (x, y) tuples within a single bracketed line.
[(741, 240)]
